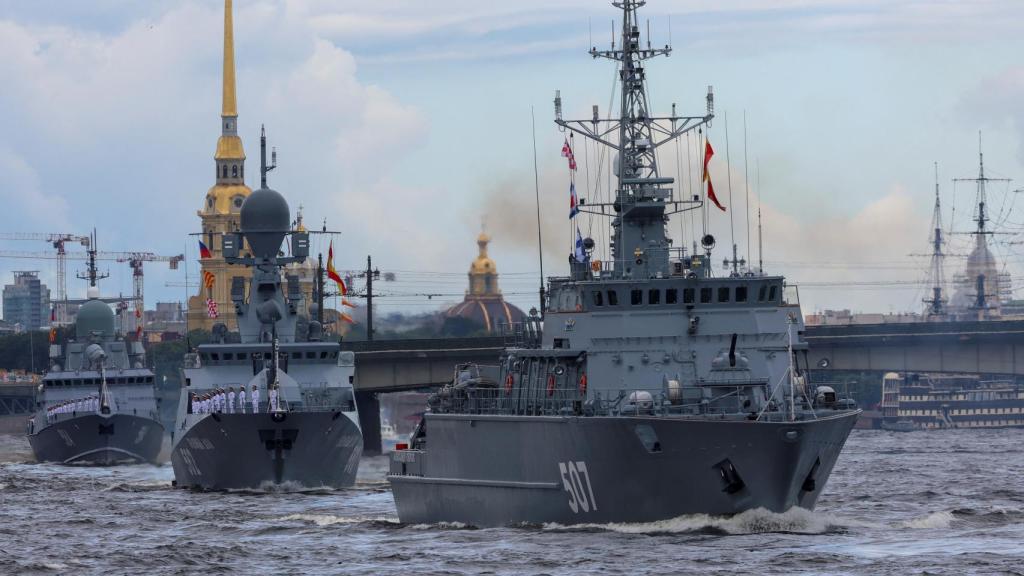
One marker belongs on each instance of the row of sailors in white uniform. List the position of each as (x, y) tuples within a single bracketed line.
[(87, 404), (220, 401)]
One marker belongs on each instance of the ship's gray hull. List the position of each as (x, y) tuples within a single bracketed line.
[(256, 451), (501, 470), (94, 439)]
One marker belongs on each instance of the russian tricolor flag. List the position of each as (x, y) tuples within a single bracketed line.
[(204, 252)]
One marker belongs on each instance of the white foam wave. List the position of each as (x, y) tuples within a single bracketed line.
[(441, 525), (931, 521), (323, 520), (757, 521)]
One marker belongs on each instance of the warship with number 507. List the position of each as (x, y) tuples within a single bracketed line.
[(654, 389)]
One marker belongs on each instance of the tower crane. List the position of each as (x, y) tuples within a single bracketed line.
[(57, 240), (135, 260)]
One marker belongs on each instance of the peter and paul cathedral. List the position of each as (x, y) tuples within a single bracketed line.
[(220, 212)]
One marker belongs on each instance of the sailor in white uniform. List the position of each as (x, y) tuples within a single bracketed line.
[(255, 399), (241, 399), (272, 395), (231, 399)]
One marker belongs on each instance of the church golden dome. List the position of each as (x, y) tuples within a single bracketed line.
[(483, 272)]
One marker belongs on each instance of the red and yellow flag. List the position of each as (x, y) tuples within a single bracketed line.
[(708, 153), (332, 273)]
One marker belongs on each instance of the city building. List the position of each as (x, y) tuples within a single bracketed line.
[(27, 301)]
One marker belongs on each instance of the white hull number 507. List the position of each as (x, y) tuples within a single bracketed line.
[(574, 474)]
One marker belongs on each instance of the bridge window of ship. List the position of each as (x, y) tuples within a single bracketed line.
[(613, 298), (773, 293), (636, 297), (762, 292), (723, 293), (741, 293), (688, 294), (654, 296), (598, 298), (705, 295), (310, 355), (671, 296)]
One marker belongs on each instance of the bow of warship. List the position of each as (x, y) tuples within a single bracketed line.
[(653, 389), (97, 403), (298, 423)]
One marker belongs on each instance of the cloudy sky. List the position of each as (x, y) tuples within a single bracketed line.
[(405, 124)]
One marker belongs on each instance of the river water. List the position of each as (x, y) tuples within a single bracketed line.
[(943, 502)]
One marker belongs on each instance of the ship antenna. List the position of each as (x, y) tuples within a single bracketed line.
[(536, 191), (760, 237), (746, 181), (264, 167)]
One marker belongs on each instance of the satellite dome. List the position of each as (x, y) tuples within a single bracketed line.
[(265, 218), (94, 317)]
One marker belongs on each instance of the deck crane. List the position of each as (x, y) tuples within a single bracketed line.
[(58, 241)]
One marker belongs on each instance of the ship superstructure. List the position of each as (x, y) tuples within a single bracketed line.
[(653, 390), (97, 403), (297, 421)]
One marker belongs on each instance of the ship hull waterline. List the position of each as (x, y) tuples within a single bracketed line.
[(260, 451), (508, 470), (99, 440)]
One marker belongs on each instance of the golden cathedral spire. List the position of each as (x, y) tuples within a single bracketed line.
[(229, 106)]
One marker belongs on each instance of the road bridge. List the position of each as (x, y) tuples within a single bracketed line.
[(994, 347)]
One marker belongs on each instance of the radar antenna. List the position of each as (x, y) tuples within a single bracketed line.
[(92, 274)]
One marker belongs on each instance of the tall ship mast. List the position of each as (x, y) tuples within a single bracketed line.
[(272, 404), (97, 403), (653, 390)]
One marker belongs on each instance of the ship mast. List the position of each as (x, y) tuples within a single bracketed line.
[(937, 303), (984, 287), (643, 199)]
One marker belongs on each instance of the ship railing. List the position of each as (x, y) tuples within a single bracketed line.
[(659, 401), (523, 334)]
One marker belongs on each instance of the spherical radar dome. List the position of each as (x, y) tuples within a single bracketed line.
[(265, 217), (94, 317)]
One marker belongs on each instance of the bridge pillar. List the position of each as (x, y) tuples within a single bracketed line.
[(369, 420)]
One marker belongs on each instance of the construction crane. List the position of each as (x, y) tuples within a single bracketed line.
[(135, 260), (57, 240)]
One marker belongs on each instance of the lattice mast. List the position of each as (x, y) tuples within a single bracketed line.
[(643, 199)]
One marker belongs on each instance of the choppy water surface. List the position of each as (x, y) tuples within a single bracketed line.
[(947, 502)]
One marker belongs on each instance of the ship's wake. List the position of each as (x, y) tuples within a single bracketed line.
[(757, 521)]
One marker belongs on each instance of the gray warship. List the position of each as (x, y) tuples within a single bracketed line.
[(304, 429), (97, 403), (652, 390)]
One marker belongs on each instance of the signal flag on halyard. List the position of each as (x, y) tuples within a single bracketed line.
[(708, 153), (211, 308), (567, 153), (332, 273), (208, 278), (347, 303), (580, 253), (204, 252), (574, 203), (347, 318), (53, 334)]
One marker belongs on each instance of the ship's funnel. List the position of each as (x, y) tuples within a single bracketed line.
[(265, 220)]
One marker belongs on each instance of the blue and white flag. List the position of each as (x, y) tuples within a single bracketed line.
[(574, 203), (580, 254)]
